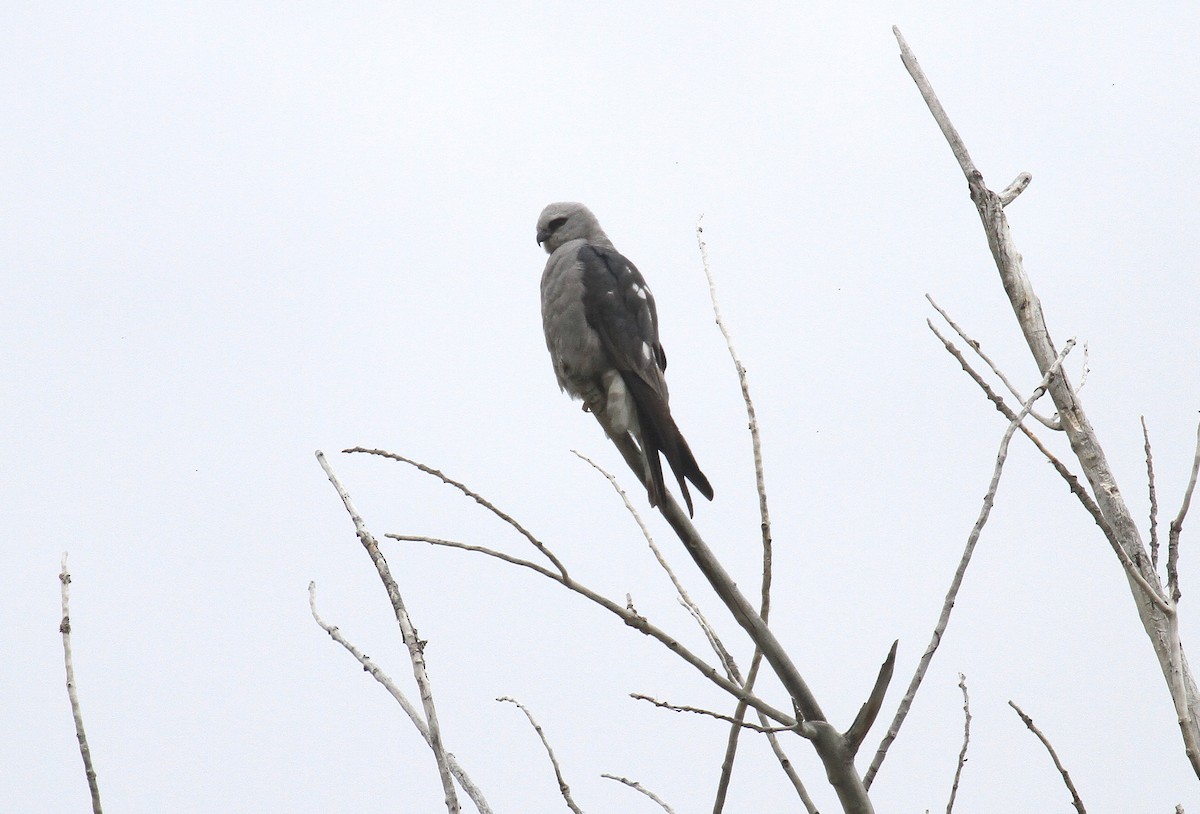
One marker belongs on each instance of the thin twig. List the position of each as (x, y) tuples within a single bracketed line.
[(765, 526), (719, 716), (415, 646), (563, 788), (1075, 801), (952, 593), (1154, 595), (684, 597), (633, 784), (478, 498), (1153, 498), (629, 617), (973, 344), (1177, 527), (383, 678), (962, 754), (64, 628)]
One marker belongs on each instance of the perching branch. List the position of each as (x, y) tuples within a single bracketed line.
[(64, 628), (829, 744), (1075, 801), (415, 646), (563, 788), (383, 678), (962, 753), (948, 603)]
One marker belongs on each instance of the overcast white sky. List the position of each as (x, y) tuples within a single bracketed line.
[(236, 233)]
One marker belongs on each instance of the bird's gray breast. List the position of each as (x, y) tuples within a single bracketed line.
[(575, 349)]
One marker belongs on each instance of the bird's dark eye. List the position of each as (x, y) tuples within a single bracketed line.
[(556, 224)]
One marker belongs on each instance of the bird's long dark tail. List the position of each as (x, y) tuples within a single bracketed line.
[(659, 433)]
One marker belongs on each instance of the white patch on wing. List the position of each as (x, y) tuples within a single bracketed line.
[(642, 292), (646, 349)]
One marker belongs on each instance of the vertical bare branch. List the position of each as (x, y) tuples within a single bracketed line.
[(952, 593), (962, 754), (383, 678), (829, 744), (64, 628), (765, 526), (1153, 498), (416, 647), (1075, 801), (1177, 527), (563, 788)]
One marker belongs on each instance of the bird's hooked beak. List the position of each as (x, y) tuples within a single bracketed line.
[(542, 236)]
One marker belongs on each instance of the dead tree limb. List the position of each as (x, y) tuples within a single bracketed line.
[(563, 788), (413, 714), (416, 647), (1075, 801), (1158, 618), (64, 627), (985, 511)]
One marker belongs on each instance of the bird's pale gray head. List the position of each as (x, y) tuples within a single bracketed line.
[(566, 221)]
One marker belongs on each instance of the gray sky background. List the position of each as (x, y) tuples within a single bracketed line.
[(236, 233)]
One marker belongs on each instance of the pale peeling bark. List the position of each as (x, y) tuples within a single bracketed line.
[(1155, 608)]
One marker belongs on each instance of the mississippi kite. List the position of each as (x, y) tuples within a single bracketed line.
[(602, 332)]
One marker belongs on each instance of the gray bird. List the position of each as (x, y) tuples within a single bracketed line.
[(602, 333)]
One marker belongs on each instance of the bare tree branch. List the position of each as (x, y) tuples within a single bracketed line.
[(962, 754), (563, 788), (952, 593), (628, 616), (719, 716), (64, 627), (1075, 801), (1073, 483), (827, 741), (383, 678), (1177, 527), (1156, 614), (1014, 189), (973, 344), (764, 609), (870, 709), (633, 784), (482, 501), (684, 598), (415, 646), (1153, 498)]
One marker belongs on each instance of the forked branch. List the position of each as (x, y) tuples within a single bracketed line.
[(415, 646), (1155, 607)]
